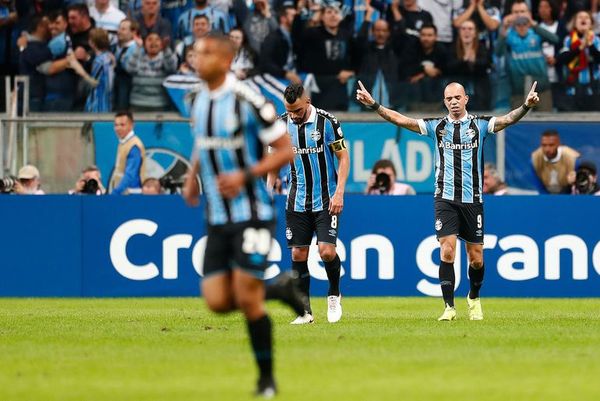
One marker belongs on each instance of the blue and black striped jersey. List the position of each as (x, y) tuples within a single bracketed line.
[(458, 155), (313, 175), (232, 125)]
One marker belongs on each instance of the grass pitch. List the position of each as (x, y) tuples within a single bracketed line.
[(383, 349)]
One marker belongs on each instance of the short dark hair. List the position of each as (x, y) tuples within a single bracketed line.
[(550, 132), (282, 12), (35, 22), (80, 8), (201, 16), (90, 168), (55, 14), (383, 163), (426, 26), (293, 92), (221, 39), (124, 113), (133, 24)]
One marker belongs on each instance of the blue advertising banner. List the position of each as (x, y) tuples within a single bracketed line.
[(169, 147), (524, 138), (153, 246)]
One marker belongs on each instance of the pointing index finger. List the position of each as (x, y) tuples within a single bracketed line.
[(533, 86), (362, 87)]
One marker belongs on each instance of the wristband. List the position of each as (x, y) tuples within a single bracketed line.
[(375, 106), (248, 176), (527, 108)]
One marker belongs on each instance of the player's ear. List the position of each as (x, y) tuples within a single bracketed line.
[(307, 100), (466, 99)]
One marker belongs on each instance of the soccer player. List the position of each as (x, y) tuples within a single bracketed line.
[(458, 186), (316, 193), (232, 125)]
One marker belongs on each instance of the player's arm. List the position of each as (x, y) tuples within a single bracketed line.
[(191, 190), (511, 118), (337, 201), (363, 96)]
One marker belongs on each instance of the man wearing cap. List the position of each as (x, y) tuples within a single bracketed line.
[(129, 171), (29, 181)]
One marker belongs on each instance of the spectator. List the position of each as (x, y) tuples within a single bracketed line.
[(552, 163), (585, 180), (406, 15), (150, 21), (151, 186), (172, 10), (424, 64), (61, 87), (101, 81), (548, 20), (244, 61), (128, 41), (200, 29), (36, 62), (188, 66), (90, 182), (484, 14), (218, 19), (130, 162), (378, 60), (492, 182), (29, 181), (108, 17), (149, 66), (521, 39), (383, 180), (277, 51), (581, 58), (326, 52), (79, 29), (469, 63), (259, 23), (442, 12)]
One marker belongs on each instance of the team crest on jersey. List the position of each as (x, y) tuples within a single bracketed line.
[(471, 133), (315, 135), (438, 225), (288, 233)]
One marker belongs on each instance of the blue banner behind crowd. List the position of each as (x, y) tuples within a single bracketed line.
[(153, 246), (169, 147), (524, 138)]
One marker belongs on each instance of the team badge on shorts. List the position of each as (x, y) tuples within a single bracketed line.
[(438, 225), (288, 233)]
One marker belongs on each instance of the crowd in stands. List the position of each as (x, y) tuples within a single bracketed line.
[(105, 55)]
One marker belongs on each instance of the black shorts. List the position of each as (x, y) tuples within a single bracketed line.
[(300, 227), (462, 219), (239, 245)]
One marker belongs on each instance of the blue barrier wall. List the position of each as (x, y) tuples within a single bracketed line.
[(152, 246)]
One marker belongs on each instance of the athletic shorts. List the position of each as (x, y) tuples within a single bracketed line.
[(462, 219), (300, 227), (238, 245)]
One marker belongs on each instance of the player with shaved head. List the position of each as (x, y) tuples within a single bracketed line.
[(458, 192), (232, 125)]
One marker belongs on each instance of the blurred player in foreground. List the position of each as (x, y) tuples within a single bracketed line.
[(458, 181), (232, 125)]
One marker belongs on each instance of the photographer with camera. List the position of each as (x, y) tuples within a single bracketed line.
[(152, 186), (89, 183), (28, 182), (383, 181), (585, 179)]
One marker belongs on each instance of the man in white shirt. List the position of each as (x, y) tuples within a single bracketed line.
[(107, 17), (443, 12)]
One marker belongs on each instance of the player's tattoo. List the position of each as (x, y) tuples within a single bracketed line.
[(510, 118), (383, 112)]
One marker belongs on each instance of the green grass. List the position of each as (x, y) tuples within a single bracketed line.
[(383, 349)]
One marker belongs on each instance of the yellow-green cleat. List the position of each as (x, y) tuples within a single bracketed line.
[(449, 314), (475, 311)]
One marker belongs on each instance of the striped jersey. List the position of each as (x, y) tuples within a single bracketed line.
[(458, 155), (312, 176), (232, 125)]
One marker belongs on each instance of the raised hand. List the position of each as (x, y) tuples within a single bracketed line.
[(532, 97), (363, 95)]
